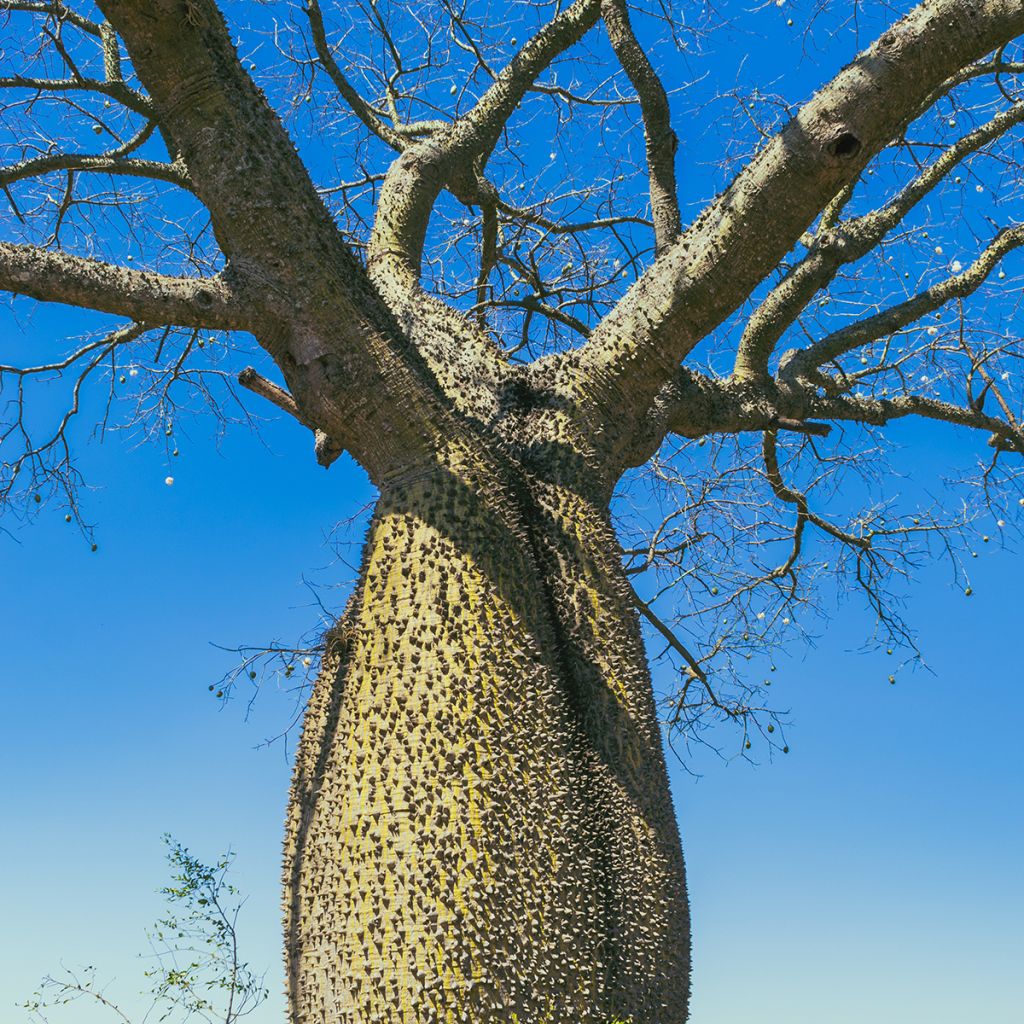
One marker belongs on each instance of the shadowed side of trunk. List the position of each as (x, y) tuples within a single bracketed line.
[(605, 668)]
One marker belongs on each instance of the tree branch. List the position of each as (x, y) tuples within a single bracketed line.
[(782, 491), (359, 106), (259, 385), (455, 157), (694, 405), (715, 265), (670, 638), (660, 140), (891, 320), (326, 449), (154, 170), (335, 340), (115, 89), (144, 297), (57, 10), (838, 246), (880, 411)]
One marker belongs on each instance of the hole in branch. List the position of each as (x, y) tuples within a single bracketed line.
[(844, 146)]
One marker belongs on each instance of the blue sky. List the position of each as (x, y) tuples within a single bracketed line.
[(870, 875)]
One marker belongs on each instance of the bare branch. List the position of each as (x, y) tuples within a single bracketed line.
[(659, 138), (154, 170), (488, 257), (455, 157), (359, 106), (673, 641), (837, 245), (880, 411), (145, 297), (57, 10), (891, 320), (326, 449), (107, 343), (259, 385), (475, 134), (115, 89), (714, 266), (783, 492), (697, 406), (530, 216)]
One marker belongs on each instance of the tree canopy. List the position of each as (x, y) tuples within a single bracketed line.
[(594, 378), (739, 288)]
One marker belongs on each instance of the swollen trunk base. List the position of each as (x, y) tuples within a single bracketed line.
[(480, 828)]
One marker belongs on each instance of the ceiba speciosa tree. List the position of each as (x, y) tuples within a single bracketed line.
[(480, 826)]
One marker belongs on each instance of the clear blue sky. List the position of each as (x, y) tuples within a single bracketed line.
[(872, 875)]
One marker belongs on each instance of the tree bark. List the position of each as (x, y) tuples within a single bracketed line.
[(480, 826)]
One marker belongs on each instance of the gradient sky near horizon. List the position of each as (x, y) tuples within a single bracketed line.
[(872, 874)]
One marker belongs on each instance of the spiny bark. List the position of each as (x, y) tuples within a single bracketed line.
[(480, 827), (146, 297), (345, 358)]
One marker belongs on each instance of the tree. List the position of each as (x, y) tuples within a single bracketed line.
[(196, 970), (480, 826)]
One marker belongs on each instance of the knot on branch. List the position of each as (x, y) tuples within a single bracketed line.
[(326, 449)]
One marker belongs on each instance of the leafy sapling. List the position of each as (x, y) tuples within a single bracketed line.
[(196, 969)]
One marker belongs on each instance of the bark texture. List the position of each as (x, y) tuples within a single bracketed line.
[(480, 826)]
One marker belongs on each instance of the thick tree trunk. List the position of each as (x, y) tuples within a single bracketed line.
[(480, 827)]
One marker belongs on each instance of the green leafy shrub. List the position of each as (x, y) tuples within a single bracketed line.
[(197, 971)]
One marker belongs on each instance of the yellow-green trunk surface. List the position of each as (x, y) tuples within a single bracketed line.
[(480, 827)]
